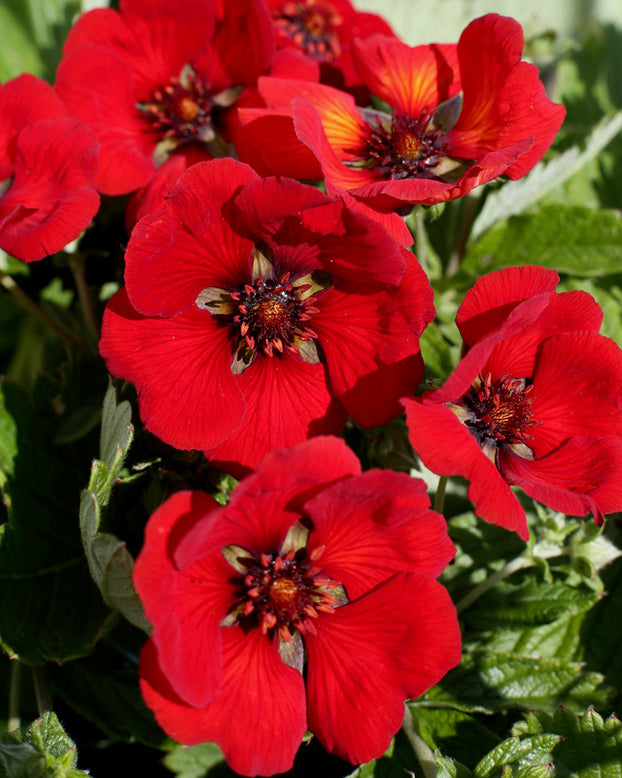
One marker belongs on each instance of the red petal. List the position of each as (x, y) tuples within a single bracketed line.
[(577, 389), (181, 368), (264, 505), (150, 198), (346, 140), (414, 80), (266, 140), (126, 158), (371, 344), (51, 199), (185, 607), (568, 311), (447, 447), (258, 719), (579, 477), (370, 655), (375, 525), (180, 261), (287, 401), (504, 99), (245, 40), (487, 304), (476, 360), (23, 100)]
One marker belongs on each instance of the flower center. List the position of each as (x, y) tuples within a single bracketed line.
[(280, 593), (269, 315), (312, 25), (499, 413), (407, 147), (181, 110)]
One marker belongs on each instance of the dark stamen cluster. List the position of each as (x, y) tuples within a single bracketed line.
[(181, 111), (408, 147), (281, 593), (500, 411), (271, 312), (312, 25)]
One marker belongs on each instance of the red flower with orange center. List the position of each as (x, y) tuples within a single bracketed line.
[(536, 402), (155, 83), (282, 611), (259, 312), (458, 115)]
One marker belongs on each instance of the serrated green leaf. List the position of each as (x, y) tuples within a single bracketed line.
[(517, 751), (569, 239), (530, 603), (588, 746), (487, 681), (516, 196), (40, 750)]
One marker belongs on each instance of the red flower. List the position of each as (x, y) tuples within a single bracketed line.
[(47, 164), (460, 115), (323, 31), (258, 311), (150, 79), (536, 402), (309, 557)]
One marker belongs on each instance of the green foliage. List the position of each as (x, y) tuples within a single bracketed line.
[(110, 562), (569, 239), (194, 761), (40, 750), (45, 587)]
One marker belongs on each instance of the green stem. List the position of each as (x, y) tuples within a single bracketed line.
[(42, 691), (22, 298), (84, 295), (423, 752), (512, 567), (439, 499), (14, 688), (468, 217)]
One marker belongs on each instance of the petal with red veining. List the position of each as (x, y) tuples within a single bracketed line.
[(181, 368), (259, 693), (375, 525), (447, 447)]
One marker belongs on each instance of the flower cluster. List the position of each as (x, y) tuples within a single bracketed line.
[(259, 312)]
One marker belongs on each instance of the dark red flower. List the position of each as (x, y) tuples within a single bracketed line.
[(309, 558), (257, 312), (151, 79), (459, 115), (47, 164), (536, 402), (323, 31)]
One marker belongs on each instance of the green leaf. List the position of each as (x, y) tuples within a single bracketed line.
[(569, 239), (587, 747), (43, 27), (18, 53), (533, 751), (488, 681), (516, 196), (195, 761), (109, 561), (49, 608), (40, 750)]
